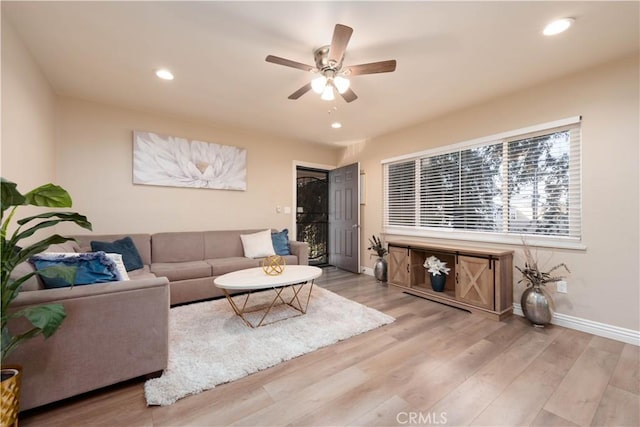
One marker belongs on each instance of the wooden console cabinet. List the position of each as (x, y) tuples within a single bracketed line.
[(480, 280)]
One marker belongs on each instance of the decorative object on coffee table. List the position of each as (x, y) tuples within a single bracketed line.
[(437, 271), (44, 319), (537, 305), (380, 267), (273, 265)]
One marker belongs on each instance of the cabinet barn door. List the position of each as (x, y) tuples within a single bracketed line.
[(398, 263), (475, 281)]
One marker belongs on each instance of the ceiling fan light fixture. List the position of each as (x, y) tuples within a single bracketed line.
[(327, 93), (558, 26), (341, 84), (318, 84)]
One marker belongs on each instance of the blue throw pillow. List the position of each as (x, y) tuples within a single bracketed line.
[(92, 267), (125, 246), (281, 242)]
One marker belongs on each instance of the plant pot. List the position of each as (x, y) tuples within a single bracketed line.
[(537, 306), (438, 281), (10, 394), (380, 269)]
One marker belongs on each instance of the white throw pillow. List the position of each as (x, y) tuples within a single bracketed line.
[(122, 271), (257, 245)]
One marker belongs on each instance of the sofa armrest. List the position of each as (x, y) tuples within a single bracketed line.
[(301, 250), (113, 332)]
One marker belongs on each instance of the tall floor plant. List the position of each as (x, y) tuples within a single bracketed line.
[(44, 319)]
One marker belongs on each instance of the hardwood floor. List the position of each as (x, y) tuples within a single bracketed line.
[(435, 365)]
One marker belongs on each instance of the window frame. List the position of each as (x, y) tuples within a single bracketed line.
[(502, 237)]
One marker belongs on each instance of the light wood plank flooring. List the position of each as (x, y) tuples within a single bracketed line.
[(435, 365)]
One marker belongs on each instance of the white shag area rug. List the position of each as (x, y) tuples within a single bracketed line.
[(210, 345)]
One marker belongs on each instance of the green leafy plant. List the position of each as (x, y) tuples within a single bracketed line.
[(44, 319), (375, 245)]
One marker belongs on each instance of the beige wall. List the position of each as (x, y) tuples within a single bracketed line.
[(94, 162), (604, 285), (28, 116)]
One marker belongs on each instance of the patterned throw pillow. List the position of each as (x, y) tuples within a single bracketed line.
[(91, 268)]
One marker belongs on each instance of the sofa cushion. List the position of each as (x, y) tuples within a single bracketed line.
[(34, 283), (67, 247), (257, 245), (141, 273), (224, 243), (125, 246), (175, 271), (177, 247), (221, 266), (281, 242)]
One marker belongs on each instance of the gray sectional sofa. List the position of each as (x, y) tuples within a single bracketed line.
[(192, 259), (120, 330)]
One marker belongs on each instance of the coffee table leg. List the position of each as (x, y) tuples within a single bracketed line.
[(239, 312), (296, 292), (278, 291)]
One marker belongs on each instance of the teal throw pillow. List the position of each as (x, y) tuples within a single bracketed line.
[(281, 242), (91, 267), (125, 247)]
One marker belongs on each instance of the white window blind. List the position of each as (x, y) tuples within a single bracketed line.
[(517, 184)]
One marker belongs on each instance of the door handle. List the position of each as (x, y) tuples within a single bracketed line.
[(355, 226)]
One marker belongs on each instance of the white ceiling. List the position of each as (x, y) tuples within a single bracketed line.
[(450, 55)]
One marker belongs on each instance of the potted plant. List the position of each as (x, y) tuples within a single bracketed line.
[(437, 270), (537, 304), (380, 267), (43, 319)]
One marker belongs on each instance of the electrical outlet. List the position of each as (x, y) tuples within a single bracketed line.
[(561, 287)]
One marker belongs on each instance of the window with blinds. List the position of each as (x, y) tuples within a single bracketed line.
[(519, 183)]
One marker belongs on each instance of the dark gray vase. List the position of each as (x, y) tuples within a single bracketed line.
[(438, 281), (380, 269), (537, 306)]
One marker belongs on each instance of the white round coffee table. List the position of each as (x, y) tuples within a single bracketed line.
[(253, 279)]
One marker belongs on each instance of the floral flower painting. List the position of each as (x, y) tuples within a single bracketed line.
[(179, 162)]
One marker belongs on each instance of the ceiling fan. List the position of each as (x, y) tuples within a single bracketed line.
[(332, 74)]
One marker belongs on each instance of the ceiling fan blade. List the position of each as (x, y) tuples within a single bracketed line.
[(349, 95), (372, 68), (288, 63), (341, 36), (304, 89)]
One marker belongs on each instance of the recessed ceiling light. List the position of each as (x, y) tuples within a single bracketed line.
[(164, 74), (558, 26), (336, 125)]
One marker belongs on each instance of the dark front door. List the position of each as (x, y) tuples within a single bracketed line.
[(344, 217), (312, 222)]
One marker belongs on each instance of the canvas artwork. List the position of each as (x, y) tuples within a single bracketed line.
[(179, 162)]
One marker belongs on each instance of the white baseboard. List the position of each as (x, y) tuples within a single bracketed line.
[(596, 328)]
